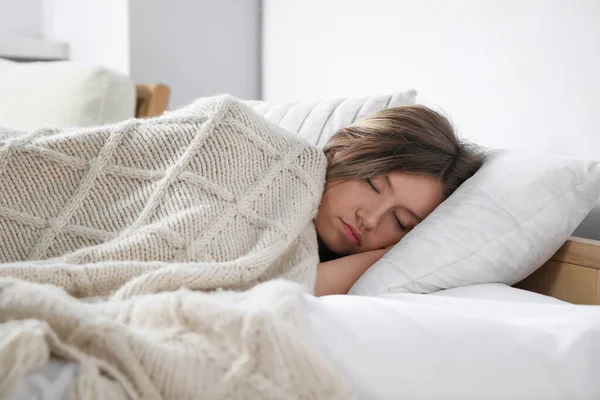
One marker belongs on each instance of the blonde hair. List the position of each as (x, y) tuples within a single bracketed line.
[(409, 139)]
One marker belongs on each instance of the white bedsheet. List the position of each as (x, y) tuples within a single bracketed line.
[(495, 291), (513, 345)]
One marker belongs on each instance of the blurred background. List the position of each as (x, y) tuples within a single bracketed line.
[(510, 73), (198, 48)]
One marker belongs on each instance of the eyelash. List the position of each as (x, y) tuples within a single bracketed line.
[(370, 182), (400, 225)]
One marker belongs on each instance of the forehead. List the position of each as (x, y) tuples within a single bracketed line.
[(422, 182), (421, 193)]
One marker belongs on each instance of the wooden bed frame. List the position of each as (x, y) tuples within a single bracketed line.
[(572, 274), (152, 100)]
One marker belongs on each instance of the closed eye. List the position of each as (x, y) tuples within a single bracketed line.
[(400, 224), (370, 182)]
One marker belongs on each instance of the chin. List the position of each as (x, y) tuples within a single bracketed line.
[(337, 250), (337, 247), (332, 238), (328, 239)]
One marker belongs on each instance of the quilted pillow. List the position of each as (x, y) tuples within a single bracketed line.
[(499, 226), (318, 121)]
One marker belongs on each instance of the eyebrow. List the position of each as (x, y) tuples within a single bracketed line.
[(408, 210)]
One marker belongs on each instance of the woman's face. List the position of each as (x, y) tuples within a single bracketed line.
[(358, 216)]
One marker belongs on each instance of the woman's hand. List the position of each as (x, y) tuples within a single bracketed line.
[(338, 276)]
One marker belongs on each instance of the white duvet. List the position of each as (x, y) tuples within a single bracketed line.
[(480, 342)]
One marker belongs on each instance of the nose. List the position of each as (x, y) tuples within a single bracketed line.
[(369, 219)]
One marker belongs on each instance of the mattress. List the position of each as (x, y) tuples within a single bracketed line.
[(483, 341), (490, 342)]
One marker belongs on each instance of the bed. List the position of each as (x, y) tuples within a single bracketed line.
[(353, 332), (151, 99), (570, 276), (484, 341)]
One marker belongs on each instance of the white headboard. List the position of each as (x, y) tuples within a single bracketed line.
[(512, 73)]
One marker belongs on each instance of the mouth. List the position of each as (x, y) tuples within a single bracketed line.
[(353, 234)]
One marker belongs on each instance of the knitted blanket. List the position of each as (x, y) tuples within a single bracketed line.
[(210, 196), (144, 215)]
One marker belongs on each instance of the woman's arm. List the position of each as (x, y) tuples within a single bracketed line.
[(338, 276)]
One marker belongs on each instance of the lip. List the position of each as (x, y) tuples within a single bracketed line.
[(352, 233)]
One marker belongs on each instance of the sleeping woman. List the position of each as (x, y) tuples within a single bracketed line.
[(116, 240), (385, 174), (212, 196)]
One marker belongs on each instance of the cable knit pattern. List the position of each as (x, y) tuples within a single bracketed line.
[(171, 345), (147, 216), (209, 196)]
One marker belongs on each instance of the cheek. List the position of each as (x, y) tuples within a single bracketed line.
[(342, 200), (326, 209), (387, 235), (334, 195)]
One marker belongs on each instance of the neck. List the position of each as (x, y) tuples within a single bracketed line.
[(324, 253)]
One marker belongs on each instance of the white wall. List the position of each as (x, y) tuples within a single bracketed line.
[(197, 47), (21, 18), (97, 31), (511, 73)]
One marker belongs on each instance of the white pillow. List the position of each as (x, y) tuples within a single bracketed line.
[(63, 94), (318, 121), (499, 226)]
